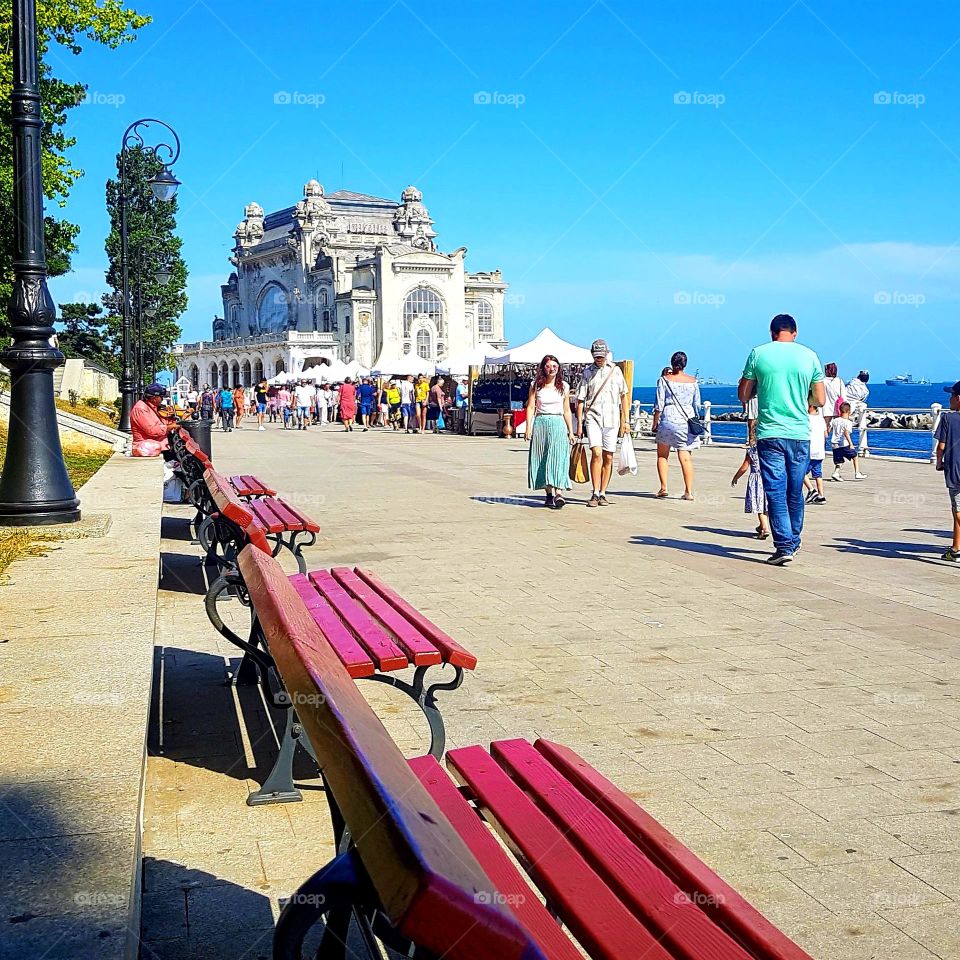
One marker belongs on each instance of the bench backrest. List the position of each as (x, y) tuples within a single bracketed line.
[(430, 885), (230, 506)]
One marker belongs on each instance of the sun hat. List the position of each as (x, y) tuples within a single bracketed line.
[(599, 348)]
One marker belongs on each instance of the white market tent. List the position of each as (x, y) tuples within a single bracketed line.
[(403, 366), (462, 362), (546, 341)]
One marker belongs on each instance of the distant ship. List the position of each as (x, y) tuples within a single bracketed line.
[(906, 380)]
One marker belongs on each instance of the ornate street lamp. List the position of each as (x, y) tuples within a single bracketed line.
[(164, 186), (35, 488)]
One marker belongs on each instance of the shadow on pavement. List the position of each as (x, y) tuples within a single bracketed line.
[(721, 532), (890, 550), (186, 573), (708, 549), (943, 534), (175, 528), (197, 717)]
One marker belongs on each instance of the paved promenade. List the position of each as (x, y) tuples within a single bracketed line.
[(798, 728)]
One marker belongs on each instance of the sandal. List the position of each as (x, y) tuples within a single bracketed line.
[(763, 535), (662, 494), (686, 496), (559, 503)]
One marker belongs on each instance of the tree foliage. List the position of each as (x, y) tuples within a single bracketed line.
[(87, 334), (152, 244), (65, 24)]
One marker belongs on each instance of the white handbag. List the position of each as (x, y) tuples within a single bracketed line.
[(628, 457)]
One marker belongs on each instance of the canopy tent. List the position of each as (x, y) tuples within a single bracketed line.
[(402, 366), (545, 342), (462, 362), (356, 369)]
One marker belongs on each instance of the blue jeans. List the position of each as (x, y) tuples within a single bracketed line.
[(783, 465)]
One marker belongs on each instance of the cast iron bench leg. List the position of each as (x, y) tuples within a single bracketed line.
[(279, 787), (425, 698)]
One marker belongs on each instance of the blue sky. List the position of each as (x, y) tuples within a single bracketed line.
[(667, 176)]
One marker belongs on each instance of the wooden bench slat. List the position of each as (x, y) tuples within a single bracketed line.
[(263, 510), (510, 883), (674, 918), (290, 518), (737, 915), (430, 886), (451, 650), (249, 486), (385, 653), (421, 651), (352, 655), (305, 522), (235, 510), (597, 918)]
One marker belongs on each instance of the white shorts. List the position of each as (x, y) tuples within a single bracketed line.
[(598, 436)]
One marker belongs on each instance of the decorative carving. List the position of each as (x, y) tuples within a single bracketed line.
[(250, 230), (412, 220), (313, 208)]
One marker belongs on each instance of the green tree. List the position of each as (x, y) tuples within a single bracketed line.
[(151, 244), (65, 24), (86, 333)]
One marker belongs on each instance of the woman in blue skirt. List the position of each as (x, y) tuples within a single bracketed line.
[(550, 432)]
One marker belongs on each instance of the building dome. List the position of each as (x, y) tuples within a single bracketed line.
[(313, 188), (411, 195)]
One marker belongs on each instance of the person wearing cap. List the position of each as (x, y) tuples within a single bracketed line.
[(856, 393), (948, 460), (602, 412), (148, 426)]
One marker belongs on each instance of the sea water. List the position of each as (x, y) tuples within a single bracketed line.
[(915, 444)]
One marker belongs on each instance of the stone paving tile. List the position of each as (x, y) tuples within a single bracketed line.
[(748, 709)]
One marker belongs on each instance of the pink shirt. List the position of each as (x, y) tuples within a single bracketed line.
[(149, 429)]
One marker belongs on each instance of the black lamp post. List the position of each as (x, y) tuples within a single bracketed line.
[(35, 488), (164, 186)]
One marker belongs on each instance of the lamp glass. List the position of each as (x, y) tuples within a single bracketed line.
[(164, 184)]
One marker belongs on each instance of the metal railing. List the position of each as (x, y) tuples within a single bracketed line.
[(860, 419)]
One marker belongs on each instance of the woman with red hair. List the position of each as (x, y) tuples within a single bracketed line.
[(550, 432)]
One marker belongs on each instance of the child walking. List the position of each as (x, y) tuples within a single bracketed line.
[(755, 500), (841, 443), (813, 483)]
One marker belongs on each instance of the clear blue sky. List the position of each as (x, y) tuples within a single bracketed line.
[(612, 209)]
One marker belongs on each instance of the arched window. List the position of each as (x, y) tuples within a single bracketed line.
[(484, 319), (273, 309), (279, 366), (326, 321), (422, 303), (346, 323), (235, 374), (212, 376), (234, 328), (245, 374), (257, 370), (424, 349)]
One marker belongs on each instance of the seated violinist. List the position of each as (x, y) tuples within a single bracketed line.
[(148, 426)]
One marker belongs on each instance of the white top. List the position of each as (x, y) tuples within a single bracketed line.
[(304, 395), (818, 436), (406, 391), (604, 404), (550, 400), (833, 388), (838, 428), (856, 390)]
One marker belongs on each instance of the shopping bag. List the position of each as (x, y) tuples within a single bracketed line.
[(579, 463), (628, 457), (441, 425)]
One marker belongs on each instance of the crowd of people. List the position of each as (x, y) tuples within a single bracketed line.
[(795, 407), (413, 404)]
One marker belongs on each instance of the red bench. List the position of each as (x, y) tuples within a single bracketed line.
[(374, 632), (419, 868), (226, 529)]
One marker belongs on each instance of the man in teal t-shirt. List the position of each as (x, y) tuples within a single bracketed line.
[(783, 375)]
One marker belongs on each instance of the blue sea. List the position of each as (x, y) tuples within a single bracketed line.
[(900, 443)]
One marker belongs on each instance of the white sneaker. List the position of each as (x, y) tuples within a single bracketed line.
[(836, 476), (859, 476)]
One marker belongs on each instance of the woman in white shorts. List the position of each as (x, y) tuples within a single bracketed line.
[(678, 399)]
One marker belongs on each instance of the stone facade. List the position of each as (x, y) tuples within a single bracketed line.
[(344, 276)]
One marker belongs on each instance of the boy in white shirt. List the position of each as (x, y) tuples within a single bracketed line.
[(813, 483), (841, 443)]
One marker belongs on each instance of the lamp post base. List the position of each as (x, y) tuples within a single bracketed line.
[(65, 511)]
